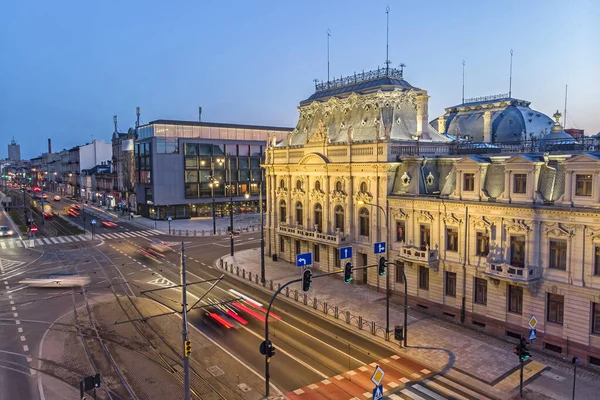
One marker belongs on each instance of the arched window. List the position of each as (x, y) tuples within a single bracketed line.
[(282, 211), (299, 214), (363, 220), (338, 186), (339, 218), (319, 217), (299, 184), (363, 187), (318, 185), (282, 184)]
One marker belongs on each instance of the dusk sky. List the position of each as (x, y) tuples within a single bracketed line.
[(68, 66)]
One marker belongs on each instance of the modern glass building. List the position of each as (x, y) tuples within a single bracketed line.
[(181, 166)]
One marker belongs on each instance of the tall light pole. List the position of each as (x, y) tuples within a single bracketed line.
[(262, 232), (230, 206), (387, 278), (213, 184)]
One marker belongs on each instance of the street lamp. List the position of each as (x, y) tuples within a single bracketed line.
[(214, 183), (221, 161), (387, 278)]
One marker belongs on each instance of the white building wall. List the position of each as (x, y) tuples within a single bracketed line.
[(93, 154)]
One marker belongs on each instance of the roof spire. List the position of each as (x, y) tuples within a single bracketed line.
[(510, 79), (387, 41)]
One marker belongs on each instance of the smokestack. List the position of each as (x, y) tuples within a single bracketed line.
[(49, 145)]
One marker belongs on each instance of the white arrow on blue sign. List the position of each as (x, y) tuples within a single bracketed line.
[(303, 260), (378, 393), (345, 252), (532, 335), (93, 222), (379, 247), (170, 218)]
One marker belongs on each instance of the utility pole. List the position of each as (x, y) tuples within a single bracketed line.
[(184, 329)]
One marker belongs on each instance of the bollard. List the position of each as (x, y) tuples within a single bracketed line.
[(305, 299), (296, 294), (287, 291), (373, 329), (250, 276), (220, 259), (336, 312), (187, 233), (325, 307), (315, 303), (244, 273), (278, 286), (271, 285), (237, 270), (360, 322), (348, 317), (256, 280), (194, 232)]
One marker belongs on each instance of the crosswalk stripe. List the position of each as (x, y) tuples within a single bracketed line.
[(428, 392), (68, 239), (459, 387), (121, 235), (412, 395), (19, 244), (101, 236), (39, 242), (156, 231), (443, 390), (76, 238), (46, 240), (2, 245), (54, 240)]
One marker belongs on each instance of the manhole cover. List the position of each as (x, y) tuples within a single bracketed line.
[(243, 387), (215, 371)]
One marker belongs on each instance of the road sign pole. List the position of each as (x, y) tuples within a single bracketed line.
[(521, 375), (184, 329)]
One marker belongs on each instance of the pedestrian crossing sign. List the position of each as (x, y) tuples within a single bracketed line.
[(378, 393)]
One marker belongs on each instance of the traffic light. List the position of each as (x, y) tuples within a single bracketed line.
[(518, 351), (524, 349), (187, 348), (348, 272), (382, 266), (306, 280), (267, 349)]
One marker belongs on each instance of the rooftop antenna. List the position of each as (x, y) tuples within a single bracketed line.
[(402, 65), (115, 122), (199, 114), (463, 85), (565, 120), (510, 79), (387, 41), (137, 121), (328, 36)]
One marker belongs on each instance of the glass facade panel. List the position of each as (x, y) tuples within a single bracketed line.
[(191, 176), (231, 149), (191, 190), (242, 163), (205, 149), (256, 151), (191, 149), (243, 150), (191, 162)]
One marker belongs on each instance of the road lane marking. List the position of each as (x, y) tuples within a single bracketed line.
[(20, 330), (17, 322), (25, 347), (23, 338)]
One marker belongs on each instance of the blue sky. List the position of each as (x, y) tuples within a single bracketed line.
[(68, 66)]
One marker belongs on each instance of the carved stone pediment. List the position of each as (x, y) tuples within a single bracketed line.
[(297, 194), (321, 135), (281, 191), (594, 233), (558, 230), (399, 214), (451, 219), (518, 226), (424, 216), (338, 196), (481, 223), (317, 195), (363, 196)]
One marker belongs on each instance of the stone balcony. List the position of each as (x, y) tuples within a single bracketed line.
[(429, 258), (506, 272), (299, 232)]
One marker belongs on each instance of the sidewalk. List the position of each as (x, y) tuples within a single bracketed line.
[(443, 345)]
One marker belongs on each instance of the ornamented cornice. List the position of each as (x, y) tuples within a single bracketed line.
[(363, 196), (297, 194), (481, 223), (317, 195), (281, 191), (518, 225), (399, 214), (452, 219), (594, 233), (424, 216), (338, 196)]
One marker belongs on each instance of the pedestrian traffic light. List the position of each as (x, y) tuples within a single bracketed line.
[(267, 349), (524, 350), (306, 280), (518, 350), (187, 348), (348, 272), (382, 266)]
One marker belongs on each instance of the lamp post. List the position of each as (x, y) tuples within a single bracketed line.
[(213, 184), (221, 161), (262, 232), (575, 362), (387, 278)]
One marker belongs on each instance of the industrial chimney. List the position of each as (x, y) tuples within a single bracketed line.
[(49, 145)]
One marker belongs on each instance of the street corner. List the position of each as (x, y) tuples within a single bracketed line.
[(510, 381)]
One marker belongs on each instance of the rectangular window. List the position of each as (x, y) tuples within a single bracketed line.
[(191, 191), (400, 231), (596, 318), (281, 245), (469, 182), (558, 254), (451, 239), (583, 185), (520, 183), (423, 278), (483, 244), (517, 251), (316, 254), (556, 305), (399, 272), (480, 293), (515, 299), (298, 247), (450, 284), (597, 260), (425, 237)]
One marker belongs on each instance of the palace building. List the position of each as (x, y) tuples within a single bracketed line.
[(492, 211)]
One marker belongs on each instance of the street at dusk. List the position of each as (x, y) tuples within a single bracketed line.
[(303, 201)]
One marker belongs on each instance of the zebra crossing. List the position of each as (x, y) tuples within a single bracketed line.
[(24, 243)]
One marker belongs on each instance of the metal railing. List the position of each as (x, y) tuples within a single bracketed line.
[(359, 77)]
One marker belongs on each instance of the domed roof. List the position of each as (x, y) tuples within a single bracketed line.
[(558, 135)]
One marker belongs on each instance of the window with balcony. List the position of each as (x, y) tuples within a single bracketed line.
[(517, 251), (399, 272), (425, 235), (282, 211), (468, 182), (482, 246), (583, 185), (363, 219), (339, 218), (299, 184), (597, 260), (423, 278), (319, 217), (400, 231), (596, 318), (556, 305), (480, 292), (450, 284), (515, 299), (520, 183), (299, 214), (451, 239), (558, 254)]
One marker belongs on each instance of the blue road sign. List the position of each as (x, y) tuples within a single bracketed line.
[(378, 392), (379, 247), (532, 335), (303, 260), (345, 252), (170, 218), (93, 222)]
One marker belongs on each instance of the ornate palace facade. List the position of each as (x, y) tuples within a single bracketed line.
[(488, 234)]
